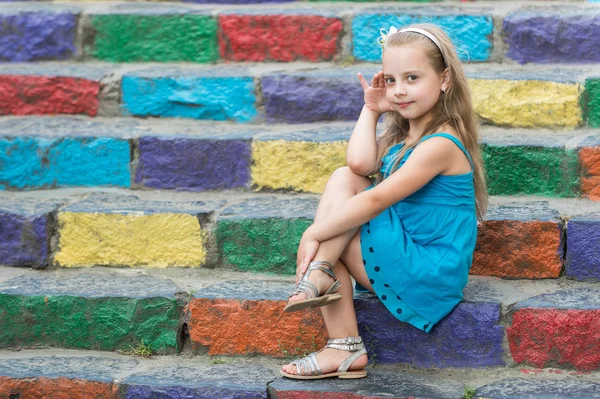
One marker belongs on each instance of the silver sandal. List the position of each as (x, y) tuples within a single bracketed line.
[(308, 368), (313, 299)]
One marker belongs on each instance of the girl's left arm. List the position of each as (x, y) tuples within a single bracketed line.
[(429, 159)]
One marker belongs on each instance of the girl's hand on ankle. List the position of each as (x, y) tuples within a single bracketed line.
[(375, 98), (306, 252)]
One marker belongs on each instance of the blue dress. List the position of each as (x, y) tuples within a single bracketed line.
[(418, 252)]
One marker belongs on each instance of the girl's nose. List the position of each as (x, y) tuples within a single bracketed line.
[(399, 90)]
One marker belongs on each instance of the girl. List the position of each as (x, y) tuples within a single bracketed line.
[(410, 237)]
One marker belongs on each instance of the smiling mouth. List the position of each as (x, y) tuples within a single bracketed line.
[(404, 105)]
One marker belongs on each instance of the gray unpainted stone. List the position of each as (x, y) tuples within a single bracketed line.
[(534, 210), (540, 389), (271, 207), (89, 285), (377, 384), (581, 298)]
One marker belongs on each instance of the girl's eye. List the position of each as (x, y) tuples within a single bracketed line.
[(412, 78), (389, 81)]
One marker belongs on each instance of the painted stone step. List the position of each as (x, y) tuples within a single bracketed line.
[(54, 152), (79, 374), (547, 389), (503, 95), (118, 310), (96, 310), (126, 32), (259, 233), (480, 323)]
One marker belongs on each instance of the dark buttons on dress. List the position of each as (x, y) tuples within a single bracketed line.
[(371, 281), (399, 311), (386, 286), (364, 262), (383, 297), (399, 298), (370, 249), (377, 268)]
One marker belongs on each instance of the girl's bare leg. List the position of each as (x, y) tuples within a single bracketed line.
[(344, 253)]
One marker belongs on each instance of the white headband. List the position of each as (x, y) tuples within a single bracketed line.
[(384, 35)]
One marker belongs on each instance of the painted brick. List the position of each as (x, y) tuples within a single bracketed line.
[(527, 103), (36, 162), (36, 36), (245, 327), (529, 170), (592, 101), (260, 38), (298, 99), (523, 388), (282, 164), (59, 388), (470, 33), (102, 324), (470, 336), (162, 38), (568, 38), (155, 240), (222, 98), (36, 95), (568, 337), (583, 248), (589, 159), (193, 165), (24, 239), (88, 311), (261, 245), (520, 249)]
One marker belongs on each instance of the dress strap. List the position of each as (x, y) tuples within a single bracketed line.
[(455, 141)]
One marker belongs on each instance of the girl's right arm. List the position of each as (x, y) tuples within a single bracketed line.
[(362, 151)]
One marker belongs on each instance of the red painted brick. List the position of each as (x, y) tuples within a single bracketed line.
[(541, 337), (56, 388), (518, 249), (244, 327), (47, 95), (278, 37), (589, 159)]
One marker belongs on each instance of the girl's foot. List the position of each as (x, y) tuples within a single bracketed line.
[(329, 360), (341, 357), (320, 279)]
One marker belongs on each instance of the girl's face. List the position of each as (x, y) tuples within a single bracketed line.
[(412, 86)]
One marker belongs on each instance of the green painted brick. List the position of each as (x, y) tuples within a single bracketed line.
[(592, 102), (163, 38), (513, 170), (261, 245), (83, 323)]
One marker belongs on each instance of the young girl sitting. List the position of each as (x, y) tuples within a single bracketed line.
[(410, 237)]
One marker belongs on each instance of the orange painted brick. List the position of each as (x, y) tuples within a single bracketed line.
[(518, 249), (244, 327), (56, 388), (589, 159)]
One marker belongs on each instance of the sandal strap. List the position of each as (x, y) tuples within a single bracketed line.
[(308, 365), (321, 265), (350, 359), (350, 344), (308, 288)]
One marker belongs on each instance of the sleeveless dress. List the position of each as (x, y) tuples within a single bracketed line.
[(418, 252)]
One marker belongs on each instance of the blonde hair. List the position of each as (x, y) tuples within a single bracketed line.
[(453, 108)]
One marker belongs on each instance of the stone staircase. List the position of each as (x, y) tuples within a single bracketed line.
[(160, 161)]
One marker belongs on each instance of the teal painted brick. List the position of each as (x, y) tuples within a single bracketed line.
[(34, 162), (219, 98), (471, 34)]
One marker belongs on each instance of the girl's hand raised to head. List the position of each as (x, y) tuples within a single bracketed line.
[(375, 98), (306, 252)]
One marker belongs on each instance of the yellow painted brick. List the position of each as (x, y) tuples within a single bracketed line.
[(527, 103), (296, 165), (159, 240)]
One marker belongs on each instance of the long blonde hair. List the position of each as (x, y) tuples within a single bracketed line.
[(453, 108)]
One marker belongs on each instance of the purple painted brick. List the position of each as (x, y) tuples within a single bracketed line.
[(23, 240), (193, 165), (37, 36), (553, 38), (583, 249), (470, 336), (302, 99), (180, 392)]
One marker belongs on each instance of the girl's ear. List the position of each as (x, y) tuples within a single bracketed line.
[(446, 79)]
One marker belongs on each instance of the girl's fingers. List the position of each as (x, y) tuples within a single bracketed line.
[(362, 81), (375, 81)]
